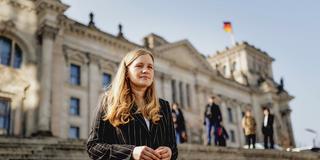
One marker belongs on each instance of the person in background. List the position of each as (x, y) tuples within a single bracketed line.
[(267, 128), (222, 136), (212, 118), (249, 126), (179, 123)]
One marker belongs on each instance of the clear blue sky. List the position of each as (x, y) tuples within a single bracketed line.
[(288, 30)]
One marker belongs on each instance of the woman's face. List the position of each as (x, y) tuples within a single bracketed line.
[(248, 113), (140, 71)]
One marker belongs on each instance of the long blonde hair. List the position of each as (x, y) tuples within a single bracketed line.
[(118, 100)]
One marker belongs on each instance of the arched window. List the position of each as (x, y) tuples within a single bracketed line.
[(10, 53)]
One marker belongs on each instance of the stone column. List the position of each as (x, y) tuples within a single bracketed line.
[(47, 36), (94, 86), (177, 91), (182, 94), (167, 90), (239, 125)]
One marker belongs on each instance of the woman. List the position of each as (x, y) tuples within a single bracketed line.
[(249, 126), (179, 124), (131, 122)]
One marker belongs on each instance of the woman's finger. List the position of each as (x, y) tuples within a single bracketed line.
[(149, 154), (153, 152)]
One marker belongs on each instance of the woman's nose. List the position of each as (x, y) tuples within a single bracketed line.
[(145, 70)]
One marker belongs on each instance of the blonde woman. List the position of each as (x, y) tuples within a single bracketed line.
[(249, 126), (131, 122)]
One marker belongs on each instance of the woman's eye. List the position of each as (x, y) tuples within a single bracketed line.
[(150, 67)]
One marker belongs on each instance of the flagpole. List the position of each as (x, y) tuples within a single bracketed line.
[(233, 42), (228, 28)]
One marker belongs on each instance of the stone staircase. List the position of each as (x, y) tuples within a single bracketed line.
[(65, 149), (42, 149)]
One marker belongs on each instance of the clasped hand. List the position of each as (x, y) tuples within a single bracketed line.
[(147, 153)]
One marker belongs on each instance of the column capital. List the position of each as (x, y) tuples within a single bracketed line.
[(47, 31)]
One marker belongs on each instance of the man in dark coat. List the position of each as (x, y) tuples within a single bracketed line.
[(212, 118), (267, 128)]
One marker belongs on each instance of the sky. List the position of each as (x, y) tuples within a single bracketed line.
[(287, 30)]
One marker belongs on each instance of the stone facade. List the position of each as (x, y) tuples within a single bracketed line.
[(39, 93)]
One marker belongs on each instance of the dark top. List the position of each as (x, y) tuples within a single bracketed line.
[(222, 133), (269, 128), (108, 142), (180, 122), (213, 113)]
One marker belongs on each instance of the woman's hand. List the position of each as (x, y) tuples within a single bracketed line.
[(165, 152), (145, 153)]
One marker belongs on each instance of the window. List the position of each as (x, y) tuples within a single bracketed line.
[(106, 80), (17, 57), (4, 117), (74, 106), (75, 74), (233, 137), (74, 132), (230, 116), (173, 89), (10, 53)]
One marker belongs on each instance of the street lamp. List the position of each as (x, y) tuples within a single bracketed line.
[(315, 133)]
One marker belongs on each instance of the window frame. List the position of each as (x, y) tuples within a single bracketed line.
[(77, 132), (78, 111), (8, 114), (104, 86), (14, 46), (78, 80)]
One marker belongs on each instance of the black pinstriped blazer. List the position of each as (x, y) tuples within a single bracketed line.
[(108, 142)]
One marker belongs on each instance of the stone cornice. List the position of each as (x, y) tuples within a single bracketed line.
[(240, 47), (88, 58), (78, 29), (53, 5), (18, 5)]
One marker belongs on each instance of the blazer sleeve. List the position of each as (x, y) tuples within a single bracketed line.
[(171, 139), (102, 144)]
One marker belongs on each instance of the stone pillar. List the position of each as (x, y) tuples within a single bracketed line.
[(239, 125), (289, 126), (182, 97), (47, 35), (185, 96), (167, 90), (94, 86), (177, 91)]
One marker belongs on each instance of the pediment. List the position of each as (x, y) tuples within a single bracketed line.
[(184, 54)]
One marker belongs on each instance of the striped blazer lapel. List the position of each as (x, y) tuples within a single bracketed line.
[(138, 116)]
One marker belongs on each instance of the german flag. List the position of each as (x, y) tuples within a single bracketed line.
[(227, 27)]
